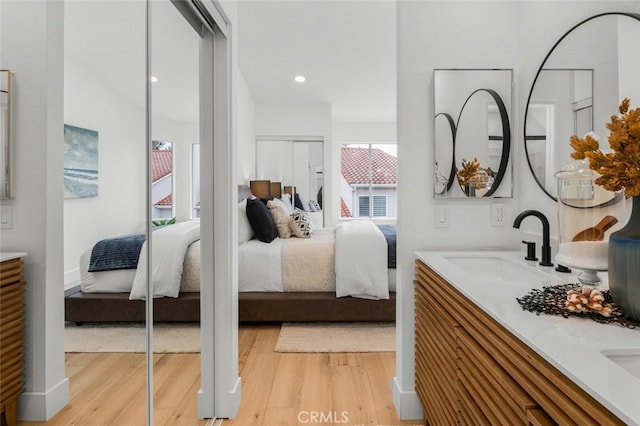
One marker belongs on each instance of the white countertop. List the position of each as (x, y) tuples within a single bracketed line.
[(4, 256), (572, 345)]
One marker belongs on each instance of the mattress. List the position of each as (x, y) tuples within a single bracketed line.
[(121, 280), (293, 264)]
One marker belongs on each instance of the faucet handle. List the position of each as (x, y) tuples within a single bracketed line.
[(531, 250)]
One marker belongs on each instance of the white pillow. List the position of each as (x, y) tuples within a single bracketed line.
[(305, 203), (245, 231), (286, 200)]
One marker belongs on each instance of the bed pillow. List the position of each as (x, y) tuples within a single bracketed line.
[(286, 200), (278, 202), (304, 202), (261, 221), (301, 226), (245, 232), (281, 218)]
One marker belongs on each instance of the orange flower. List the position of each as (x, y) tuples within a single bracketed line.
[(620, 169), (469, 168)]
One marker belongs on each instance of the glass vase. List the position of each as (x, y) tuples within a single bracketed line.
[(587, 215), (624, 264)]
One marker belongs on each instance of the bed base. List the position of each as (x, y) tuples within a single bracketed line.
[(252, 307), (308, 307)]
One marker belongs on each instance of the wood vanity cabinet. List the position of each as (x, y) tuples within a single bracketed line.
[(12, 287), (471, 370)]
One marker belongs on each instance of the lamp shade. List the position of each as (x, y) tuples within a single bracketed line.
[(260, 188), (276, 189)]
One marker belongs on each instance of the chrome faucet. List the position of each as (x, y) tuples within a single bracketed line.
[(546, 248)]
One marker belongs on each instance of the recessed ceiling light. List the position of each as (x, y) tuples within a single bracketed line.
[(300, 79), (154, 79)]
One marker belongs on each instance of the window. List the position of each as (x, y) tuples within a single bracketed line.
[(379, 206), (368, 180), (162, 180), (195, 180)]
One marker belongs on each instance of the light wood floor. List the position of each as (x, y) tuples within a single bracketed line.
[(277, 388)]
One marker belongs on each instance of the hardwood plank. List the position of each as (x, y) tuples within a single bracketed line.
[(109, 388)]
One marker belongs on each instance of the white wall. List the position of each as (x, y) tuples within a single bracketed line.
[(32, 47), (479, 34), (246, 132)]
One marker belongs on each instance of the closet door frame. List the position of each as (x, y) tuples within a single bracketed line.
[(219, 395)]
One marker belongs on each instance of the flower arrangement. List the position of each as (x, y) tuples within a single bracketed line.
[(468, 175), (620, 169)]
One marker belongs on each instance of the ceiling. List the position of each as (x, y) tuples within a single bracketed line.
[(345, 49)]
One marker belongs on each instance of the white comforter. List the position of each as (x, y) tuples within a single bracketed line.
[(169, 246), (361, 260), (360, 268)]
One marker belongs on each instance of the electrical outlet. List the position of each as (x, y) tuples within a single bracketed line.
[(497, 214)]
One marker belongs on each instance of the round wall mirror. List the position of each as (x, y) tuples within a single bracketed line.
[(579, 85)]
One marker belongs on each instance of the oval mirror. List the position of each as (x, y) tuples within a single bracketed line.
[(445, 164), (483, 133), (472, 133), (5, 134), (579, 84)]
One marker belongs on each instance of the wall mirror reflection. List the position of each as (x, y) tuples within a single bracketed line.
[(5, 134), (578, 86), (561, 105), (296, 163), (472, 133)]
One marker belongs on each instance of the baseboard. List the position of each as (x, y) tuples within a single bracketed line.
[(406, 403), (226, 406), (41, 406)]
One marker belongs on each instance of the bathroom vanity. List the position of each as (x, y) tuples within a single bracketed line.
[(482, 360), (12, 288)]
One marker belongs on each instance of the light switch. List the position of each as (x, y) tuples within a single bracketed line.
[(6, 217), (442, 216)]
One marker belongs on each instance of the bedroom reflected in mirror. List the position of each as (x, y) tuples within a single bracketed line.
[(561, 105), (472, 133), (585, 75), (5, 134)]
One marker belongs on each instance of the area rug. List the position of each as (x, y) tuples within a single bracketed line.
[(337, 337), (127, 337)]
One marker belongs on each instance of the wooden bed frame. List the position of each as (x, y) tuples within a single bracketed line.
[(252, 306)]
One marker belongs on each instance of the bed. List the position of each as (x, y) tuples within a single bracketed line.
[(276, 295)]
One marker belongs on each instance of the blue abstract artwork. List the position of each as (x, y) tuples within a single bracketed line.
[(80, 162)]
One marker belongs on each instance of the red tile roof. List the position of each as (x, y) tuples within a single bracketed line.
[(344, 210), (162, 163), (354, 164), (166, 201)]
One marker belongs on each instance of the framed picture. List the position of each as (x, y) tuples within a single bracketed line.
[(80, 162)]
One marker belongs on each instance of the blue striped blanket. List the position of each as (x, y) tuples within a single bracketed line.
[(389, 232), (116, 253)]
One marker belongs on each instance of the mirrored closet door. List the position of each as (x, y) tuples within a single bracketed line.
[(296, 163), (173, 213)]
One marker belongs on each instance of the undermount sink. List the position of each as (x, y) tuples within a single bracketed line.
[(627, 358), (495, 268)]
